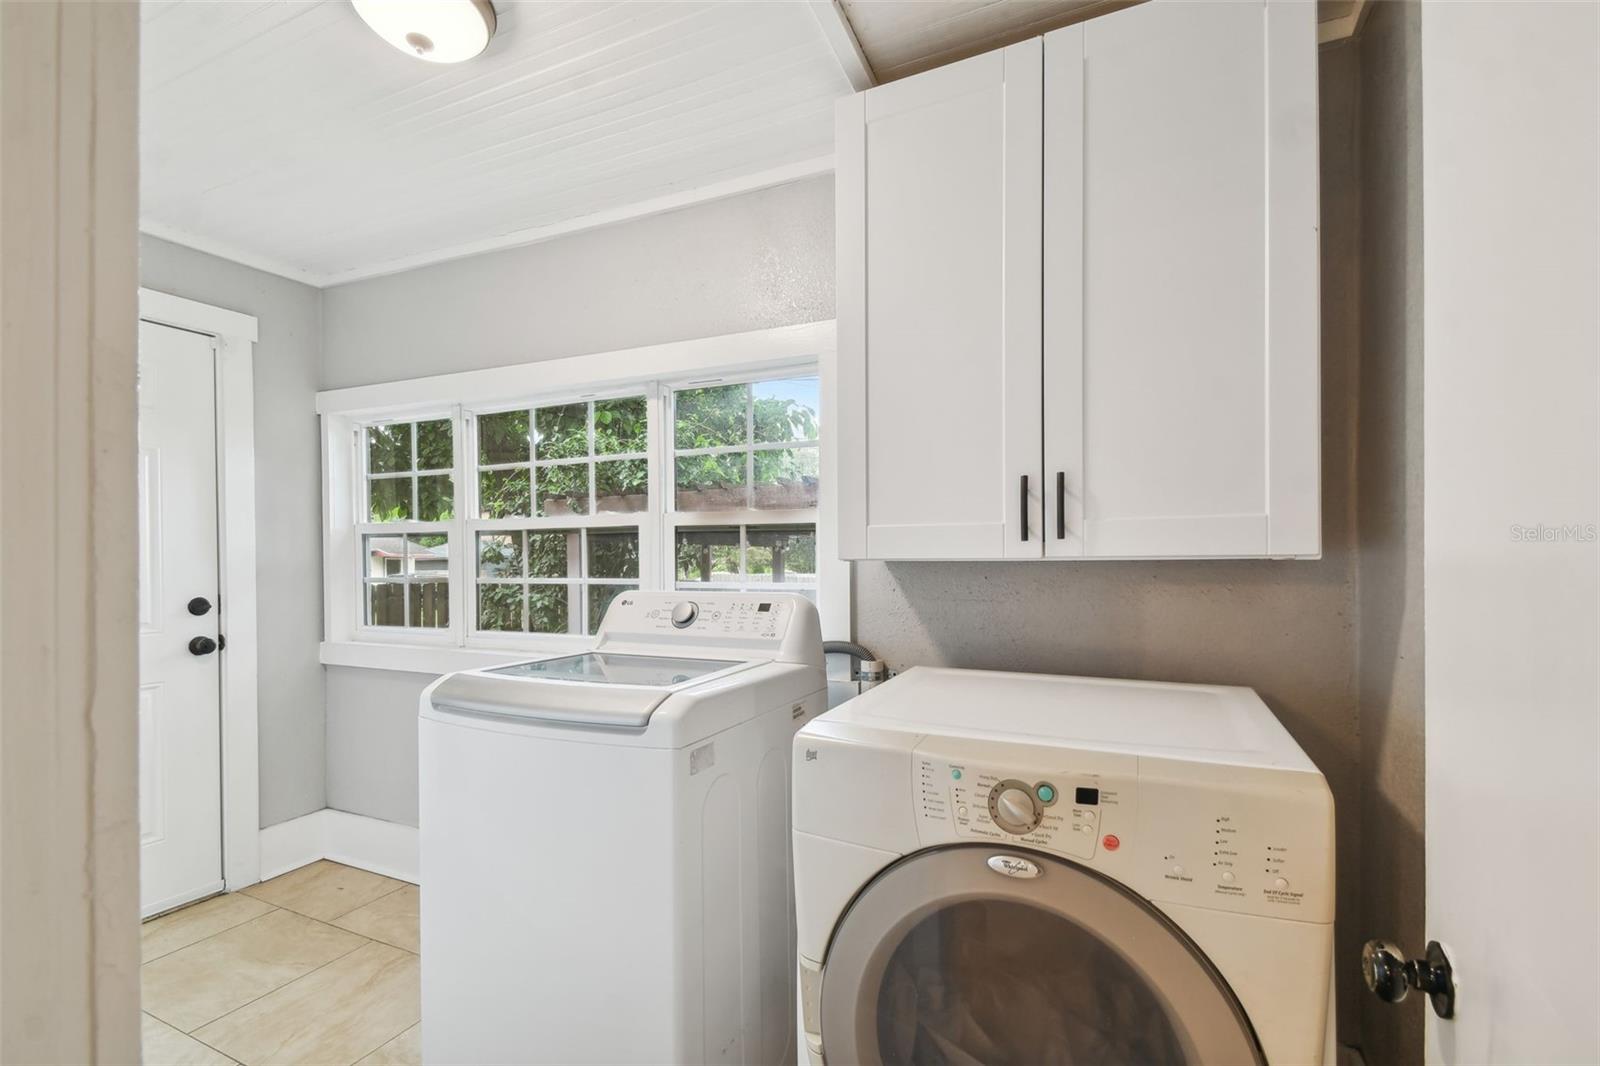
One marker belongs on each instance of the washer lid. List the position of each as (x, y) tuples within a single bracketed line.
[(597, 689), (614, 668)]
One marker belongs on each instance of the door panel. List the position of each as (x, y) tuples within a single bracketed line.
[(180, 804), (944, 958), (1193, 287), (940, 190)]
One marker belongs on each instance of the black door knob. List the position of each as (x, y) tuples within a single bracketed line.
[(1390, 975), (202, 646), (199, 605)]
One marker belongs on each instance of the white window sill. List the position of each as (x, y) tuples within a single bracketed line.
[(426, 658)]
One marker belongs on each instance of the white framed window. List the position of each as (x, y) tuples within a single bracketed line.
[(562, 500), (746, 478), (406, 507), (503, 509)]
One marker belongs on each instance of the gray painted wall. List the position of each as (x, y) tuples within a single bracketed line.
[(288, 509), (1390, 479), (750, 262)]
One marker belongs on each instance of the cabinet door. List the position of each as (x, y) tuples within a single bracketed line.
[(939, 188), (1181, 279)]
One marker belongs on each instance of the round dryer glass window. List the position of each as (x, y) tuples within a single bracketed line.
[(944, 961)]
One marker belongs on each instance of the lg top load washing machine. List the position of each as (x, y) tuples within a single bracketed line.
[(1011, 868), (605, 840)]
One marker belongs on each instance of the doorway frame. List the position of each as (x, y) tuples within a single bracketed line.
[(233, 336)]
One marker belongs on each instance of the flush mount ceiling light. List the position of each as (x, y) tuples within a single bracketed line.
[(440, 31)]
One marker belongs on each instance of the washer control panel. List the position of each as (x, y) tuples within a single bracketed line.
[(1057, 811), (716, 616)]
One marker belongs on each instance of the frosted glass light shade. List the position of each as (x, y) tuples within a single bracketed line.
[(439, 31)]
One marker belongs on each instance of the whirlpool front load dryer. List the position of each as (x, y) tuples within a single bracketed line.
[(605, 840), (1012, 868)]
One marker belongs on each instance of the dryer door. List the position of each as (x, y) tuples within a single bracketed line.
[(977, 954)]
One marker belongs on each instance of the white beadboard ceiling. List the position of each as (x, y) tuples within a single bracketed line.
[(286, 135)]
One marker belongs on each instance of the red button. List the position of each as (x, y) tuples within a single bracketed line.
[(1111, 842)]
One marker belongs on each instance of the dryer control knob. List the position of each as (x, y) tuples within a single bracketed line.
[(1013, 809), (684, 614)]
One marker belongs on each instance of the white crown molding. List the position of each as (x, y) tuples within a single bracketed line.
[(700, 194), (762, 179), (841, 37), (221, 250)]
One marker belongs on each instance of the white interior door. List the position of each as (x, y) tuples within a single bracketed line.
[(1511, 201), (180, 775)]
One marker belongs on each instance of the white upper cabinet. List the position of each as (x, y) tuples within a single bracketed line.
[(939, 200), (1155, 378)]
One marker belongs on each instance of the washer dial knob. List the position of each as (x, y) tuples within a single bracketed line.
[(684, 614), (1013, 808)]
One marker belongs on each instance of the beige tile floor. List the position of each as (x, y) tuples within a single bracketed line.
[(316, 966)]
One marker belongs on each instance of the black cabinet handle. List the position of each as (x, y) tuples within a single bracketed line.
[(1061, 505), (1024, 506)]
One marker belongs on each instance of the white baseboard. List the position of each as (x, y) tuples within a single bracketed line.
[(386, 848)]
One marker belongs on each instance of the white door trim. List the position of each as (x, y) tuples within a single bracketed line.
[(235, 336)]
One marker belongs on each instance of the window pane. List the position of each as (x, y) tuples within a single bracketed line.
[(500, 608), (786, 478), (708, 554), (434, 450), (427, 553), (562, 432), (435, 498), (621, 485), (500, 554), (553, 554), (390, 499), (614, 553), (782, 554), (711, 482), (710, 418), (386, 603), (563, 489), (389, 448), (386, 556), (600, 597), (430, 603), (785, 410), (619, 425), (503, 438), (503, 493), (548, 609)]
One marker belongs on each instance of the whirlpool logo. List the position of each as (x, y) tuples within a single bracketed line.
[(1012, 866)]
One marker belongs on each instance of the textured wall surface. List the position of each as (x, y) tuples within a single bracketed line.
[(288, 509), (1390, 497), (749, 262)]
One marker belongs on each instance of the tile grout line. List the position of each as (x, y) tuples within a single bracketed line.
[(270, 908), (364, 942), (196, 1039)]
